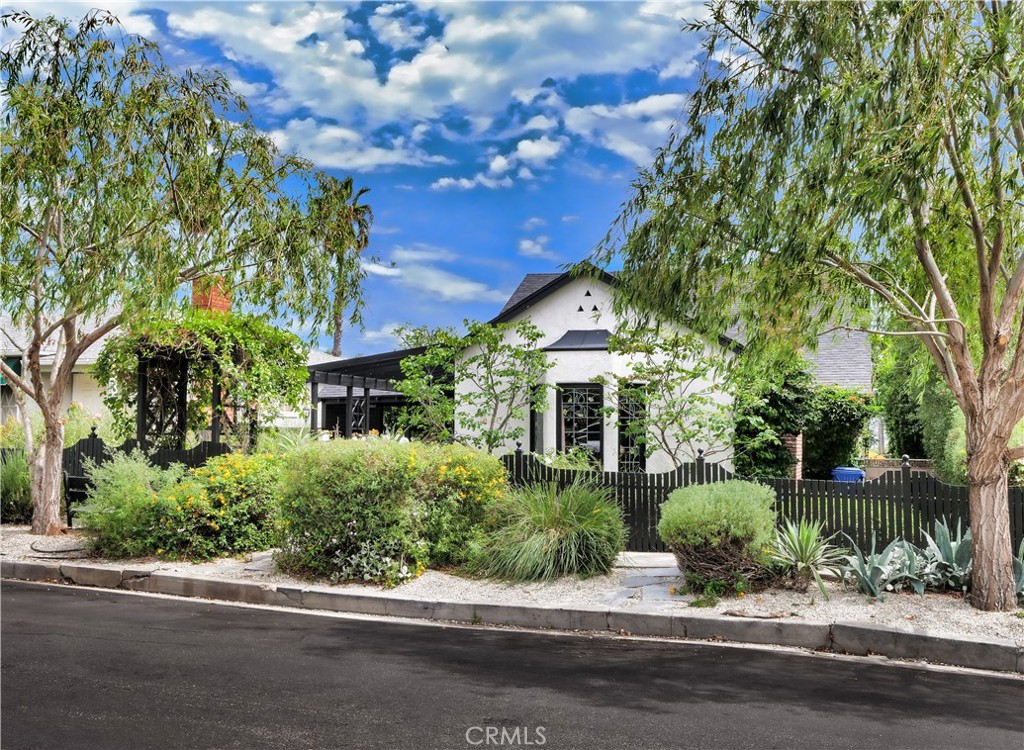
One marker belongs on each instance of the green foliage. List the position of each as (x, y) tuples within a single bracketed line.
[(937, 411), (950, 557), (498, 368), (280, 440), (944, 564), (871, 571), (259, 366), (378, 510), (834, 427), (717, 514), (576, 458), (224, 507), (674, 381), (124, 179), (544, 533), (710, 590), (898, 399), (721, 531), (122, 514), (803, 554), (15, 488), (777, 404)]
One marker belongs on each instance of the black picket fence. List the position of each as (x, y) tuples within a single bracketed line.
[(898, 504), (92, 448)]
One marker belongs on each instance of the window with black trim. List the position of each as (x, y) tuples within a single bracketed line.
[(580, 418), (632, 415)]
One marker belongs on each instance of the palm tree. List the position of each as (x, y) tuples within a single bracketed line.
[(345, 226)]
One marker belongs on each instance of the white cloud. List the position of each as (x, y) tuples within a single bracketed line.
[(468, 183), (377, 269), (345, 148), (534, 222), (447, 286), (398, 32), (536, 248), (488, 55), (420, 252), (540, 122), (387, 333), (540, 151), (499, 164), (569, 218), (632, 129)]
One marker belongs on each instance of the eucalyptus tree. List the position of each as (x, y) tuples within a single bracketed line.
[(124, 181), (859, 163)]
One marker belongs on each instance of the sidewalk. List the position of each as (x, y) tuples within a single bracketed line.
[(639, 598)]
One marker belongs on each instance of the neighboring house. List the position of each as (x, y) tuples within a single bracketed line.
[(84, 389), (576, 317)]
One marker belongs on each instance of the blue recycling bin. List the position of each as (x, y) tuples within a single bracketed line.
[(848, 474)]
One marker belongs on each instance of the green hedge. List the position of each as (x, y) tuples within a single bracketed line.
[(712, 514), (225, 507), (377, 510)]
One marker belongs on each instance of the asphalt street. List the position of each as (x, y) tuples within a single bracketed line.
[(85, 669)]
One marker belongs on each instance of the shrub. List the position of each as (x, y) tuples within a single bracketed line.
[(15, 488), (576, 458), (223, 507), (803, 554), (720, 532), (543, 533), (124, 505), (459, 486), (833, 430), (377, 510)]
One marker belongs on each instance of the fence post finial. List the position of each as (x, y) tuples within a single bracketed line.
[(700, 453), (519, 446), (92, 430), (906, 461)]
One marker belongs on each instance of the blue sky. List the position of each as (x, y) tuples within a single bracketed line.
[(497, 139)]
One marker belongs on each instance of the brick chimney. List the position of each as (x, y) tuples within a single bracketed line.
[(209, 294)]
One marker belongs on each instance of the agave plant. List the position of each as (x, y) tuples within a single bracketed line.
[(804, 554), (873, 571), (951, 557), (1018, 571)]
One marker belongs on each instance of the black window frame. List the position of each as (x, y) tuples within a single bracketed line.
[(632, 456), (560, 442)]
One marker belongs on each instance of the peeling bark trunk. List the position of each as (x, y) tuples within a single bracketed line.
[(992, 585), (46, 482)]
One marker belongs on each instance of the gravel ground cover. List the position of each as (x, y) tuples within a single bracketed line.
[(639, 581)]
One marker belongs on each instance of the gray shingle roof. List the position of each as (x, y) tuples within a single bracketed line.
[(531, 283), (843, 358)]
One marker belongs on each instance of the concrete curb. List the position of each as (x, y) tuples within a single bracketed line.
[(840, 637)]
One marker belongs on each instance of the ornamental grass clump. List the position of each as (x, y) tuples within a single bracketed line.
[(721, 531), (542, 533)]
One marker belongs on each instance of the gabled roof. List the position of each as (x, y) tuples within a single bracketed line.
[(536, 286)]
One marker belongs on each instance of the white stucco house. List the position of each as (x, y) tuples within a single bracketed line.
[(576, 317)]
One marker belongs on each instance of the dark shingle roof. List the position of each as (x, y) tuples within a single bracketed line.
[(531, 283), (842, 358)]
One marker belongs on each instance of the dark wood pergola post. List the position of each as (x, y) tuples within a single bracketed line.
[(141, 404), (314, 396), (349, 391)]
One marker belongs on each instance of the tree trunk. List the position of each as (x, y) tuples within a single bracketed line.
[(46, 482), (339, 323), (992, 583)]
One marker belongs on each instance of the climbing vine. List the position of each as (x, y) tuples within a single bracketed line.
[(261, 369)]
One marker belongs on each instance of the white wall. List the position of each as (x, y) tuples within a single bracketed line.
[(554, 315)]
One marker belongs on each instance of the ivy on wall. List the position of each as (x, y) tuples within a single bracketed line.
[(261, 368)]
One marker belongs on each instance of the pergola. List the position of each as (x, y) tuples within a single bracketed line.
[(356, 406)]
